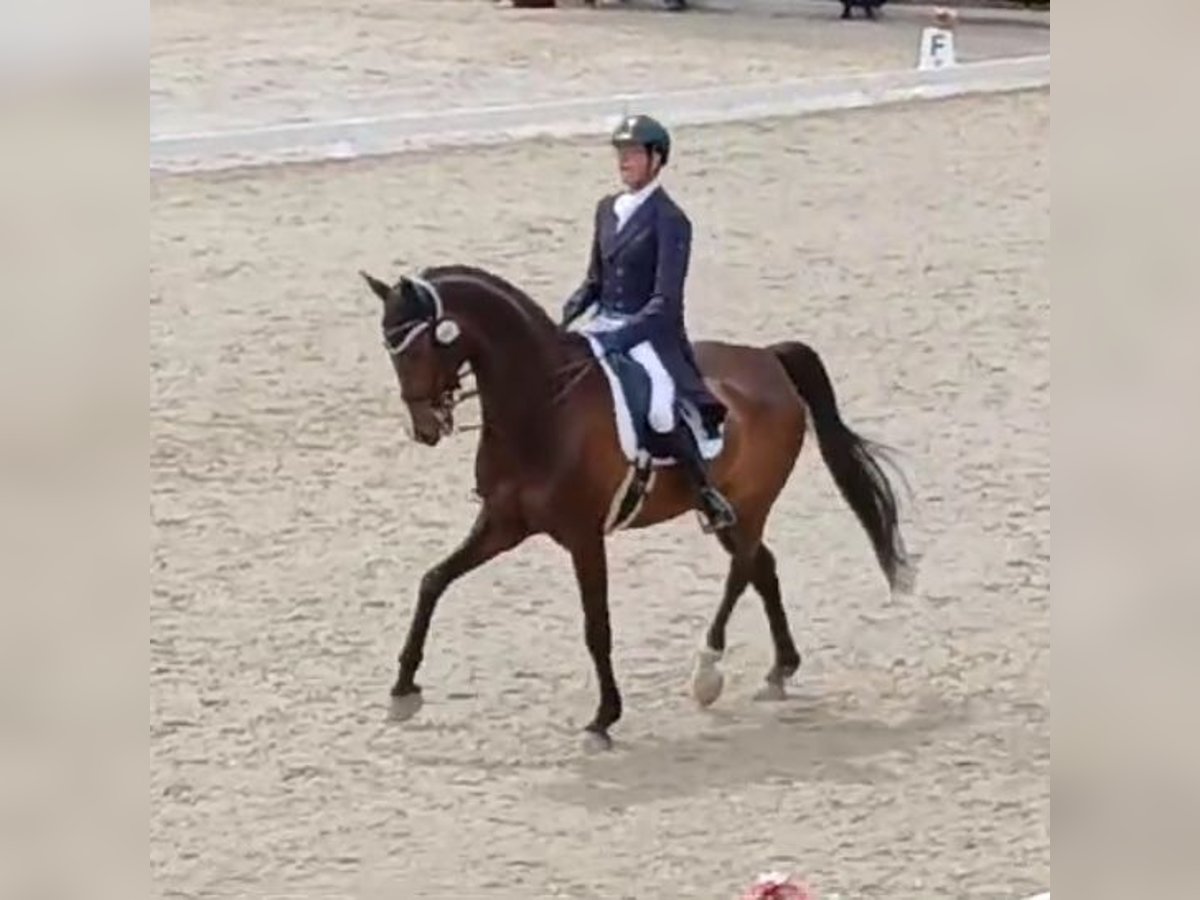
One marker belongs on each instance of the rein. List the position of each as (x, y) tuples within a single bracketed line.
[(583, 367), (446, 401)]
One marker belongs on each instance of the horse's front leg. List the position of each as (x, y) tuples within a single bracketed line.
[(591, 570), (492, 534)]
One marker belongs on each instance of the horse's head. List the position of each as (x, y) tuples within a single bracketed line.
[(427, 349)]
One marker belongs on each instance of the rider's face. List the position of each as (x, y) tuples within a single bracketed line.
[(636, 165)]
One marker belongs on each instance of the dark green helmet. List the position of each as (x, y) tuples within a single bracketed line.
[(644, 131)]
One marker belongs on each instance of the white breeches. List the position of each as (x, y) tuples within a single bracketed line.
[(662, 386)]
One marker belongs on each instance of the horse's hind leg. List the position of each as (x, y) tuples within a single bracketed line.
[(741, 571), (707, 680), (742, 544), (751, 562), (787, 658)]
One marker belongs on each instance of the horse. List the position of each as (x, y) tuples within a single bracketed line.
[(548, 460)]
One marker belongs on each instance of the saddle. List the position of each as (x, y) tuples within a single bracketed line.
[(642, 446), (648, 447)]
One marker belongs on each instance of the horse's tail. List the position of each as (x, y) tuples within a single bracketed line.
[(853, 462)]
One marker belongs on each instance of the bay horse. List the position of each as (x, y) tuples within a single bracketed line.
[(549, 461)]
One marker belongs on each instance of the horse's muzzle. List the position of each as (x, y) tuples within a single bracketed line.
[(428, 438), (431, 423)]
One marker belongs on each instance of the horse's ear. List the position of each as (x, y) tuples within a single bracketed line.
[(381, 290)]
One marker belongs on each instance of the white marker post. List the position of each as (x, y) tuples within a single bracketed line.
[(937, 42)]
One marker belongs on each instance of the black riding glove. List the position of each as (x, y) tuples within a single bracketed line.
[(573, 309)]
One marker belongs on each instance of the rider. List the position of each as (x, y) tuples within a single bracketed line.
[(641, 245)]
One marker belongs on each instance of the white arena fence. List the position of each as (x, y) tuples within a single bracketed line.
[(379, 135)]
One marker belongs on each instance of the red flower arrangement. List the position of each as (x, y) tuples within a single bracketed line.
[(776, 886)]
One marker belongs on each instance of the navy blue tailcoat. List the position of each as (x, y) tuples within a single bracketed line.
[(639, 273)]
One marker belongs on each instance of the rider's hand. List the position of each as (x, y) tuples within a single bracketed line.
[(572, 310)]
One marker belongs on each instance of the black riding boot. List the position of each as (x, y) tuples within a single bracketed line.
[(716, 508)]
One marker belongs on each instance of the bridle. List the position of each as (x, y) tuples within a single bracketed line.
[(400, 338)]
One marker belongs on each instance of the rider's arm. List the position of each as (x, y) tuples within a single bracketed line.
[(588, 292), (665, 308)]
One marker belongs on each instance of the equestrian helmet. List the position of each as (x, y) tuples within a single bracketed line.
[(644, 131)]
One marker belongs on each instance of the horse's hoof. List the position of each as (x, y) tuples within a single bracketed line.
[(771, 692), (707, 685), (596, 741), (707, 679), (405, 706)]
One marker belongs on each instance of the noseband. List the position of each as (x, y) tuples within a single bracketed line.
[(403, 335)]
